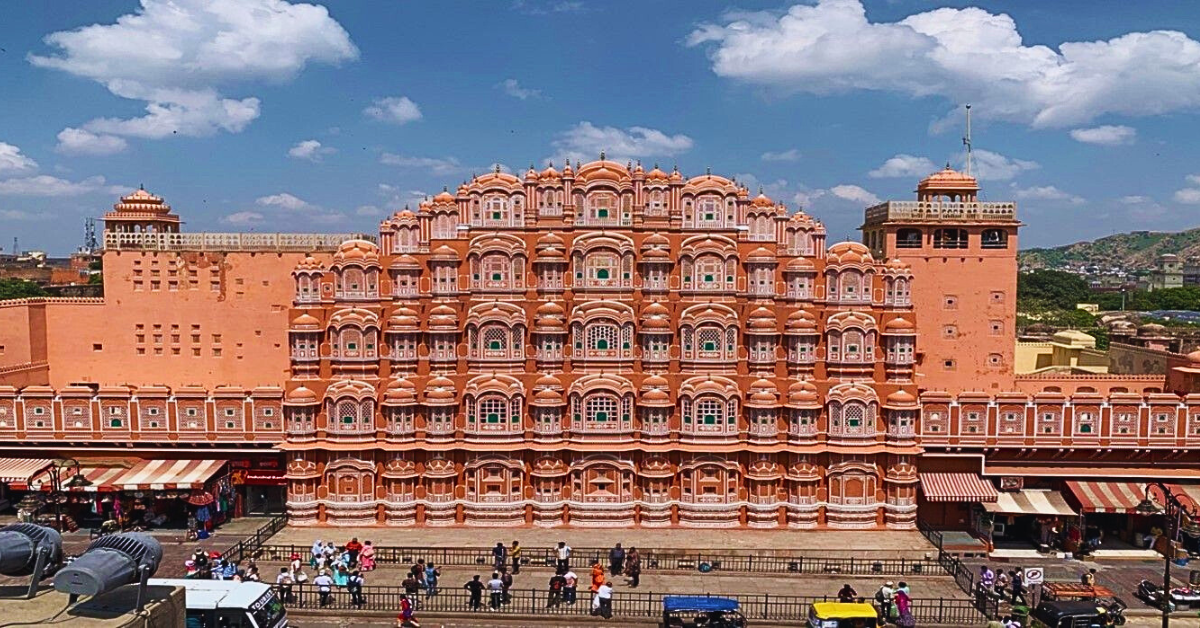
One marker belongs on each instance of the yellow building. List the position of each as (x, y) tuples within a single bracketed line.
[(1068, 351)]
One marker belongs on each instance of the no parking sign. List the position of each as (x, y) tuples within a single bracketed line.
[(1034, 575)]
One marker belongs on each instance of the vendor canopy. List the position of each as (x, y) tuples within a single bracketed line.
[(18, 472), (1120, 497), (957, 487), (157, 475), (1030, 502)]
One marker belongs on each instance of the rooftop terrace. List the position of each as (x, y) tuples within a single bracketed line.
[(300, 242)]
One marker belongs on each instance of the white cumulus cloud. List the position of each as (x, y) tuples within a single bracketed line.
[(961, 55), (513, 88), (175, 55), (585, 141), (1107, 135), (1194, 178), (243, 219), (12, 161), (854, 193), (311, 150), (791, 154), (987, 165), (1047, 193), (435, 165), (50, 186), (394, 109), (1191, 196), (284, 200), (903, 165), (80, 142)]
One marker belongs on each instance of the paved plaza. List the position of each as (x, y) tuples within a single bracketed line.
[(817, 543)]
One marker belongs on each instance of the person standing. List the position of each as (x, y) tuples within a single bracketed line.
[(1018, 586), (496, 590), (604, 598), (557, 583), (616, 559), (324, 586), (354, 585), (353, 548), (571, 588), (499, 556), (285, 581), (633, 567), (507, 579), (367, 557), (432, 574), (564, 555), (883, 600), (904, 616), (318, 550), (597, 576), (514, 553), (475, 586)]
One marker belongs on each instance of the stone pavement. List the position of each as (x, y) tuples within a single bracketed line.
[(815, 543)]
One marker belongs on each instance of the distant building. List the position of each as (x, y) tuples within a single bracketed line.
[(1167, 273)]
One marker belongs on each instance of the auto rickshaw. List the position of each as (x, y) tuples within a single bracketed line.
[(701, 611), (842, 615), (1074, 614)]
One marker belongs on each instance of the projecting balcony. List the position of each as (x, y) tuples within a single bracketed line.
[(483, 431)]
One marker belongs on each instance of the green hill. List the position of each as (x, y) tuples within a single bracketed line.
[(1135, 250)]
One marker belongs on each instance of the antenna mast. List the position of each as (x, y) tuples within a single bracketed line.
[(967, 140)]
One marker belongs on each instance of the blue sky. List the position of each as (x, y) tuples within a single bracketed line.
[(265, 115)]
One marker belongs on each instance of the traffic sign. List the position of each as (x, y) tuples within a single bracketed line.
[(1034, 575)]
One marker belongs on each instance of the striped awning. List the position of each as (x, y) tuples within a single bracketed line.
[(99, 479), (1031, 502), (1186, 492), (18, 472), (1120, 497), (157, 475), (957, 487)]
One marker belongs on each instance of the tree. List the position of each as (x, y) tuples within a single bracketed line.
[(19, 289), (1053, 287)]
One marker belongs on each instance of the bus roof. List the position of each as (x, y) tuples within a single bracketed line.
[(206, 594)]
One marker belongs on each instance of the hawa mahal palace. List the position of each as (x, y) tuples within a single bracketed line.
[(598, 346)]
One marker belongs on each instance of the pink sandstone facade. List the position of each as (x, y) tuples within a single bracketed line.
[(600, 346)]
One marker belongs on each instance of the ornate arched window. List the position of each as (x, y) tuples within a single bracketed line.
[(602, 208)]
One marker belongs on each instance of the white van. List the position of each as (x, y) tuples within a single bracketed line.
[(229, 604)]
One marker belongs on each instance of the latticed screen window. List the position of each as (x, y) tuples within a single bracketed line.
[(710, 340), (601, 408), (709, 274), (495, 339), (347, 412), (710, 412), (493, 410), (855, 415), (601, 337)]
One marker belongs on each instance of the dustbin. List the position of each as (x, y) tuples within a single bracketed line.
[(1020, 614), (1194, 577)]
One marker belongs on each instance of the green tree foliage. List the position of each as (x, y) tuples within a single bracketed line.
[(1185, 298), (1053, 288), (19, 289)]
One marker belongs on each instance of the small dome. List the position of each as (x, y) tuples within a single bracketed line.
[(444, 197), (405, 262), (901, 399), (656, 240), (531, 174), (801, 319), (655, 381), (802, 394), (654, 397), (549, 173), (548, 397), (762, 200), (439, 389), (800, 264), (948, 179), (443, 316), (849, 253), (898, 325), (401, 390), (301, 395), (403, 318), (656, 173), (762, 318), (309, 263), (548, 381), (551, 239), (551, 308), (550, 252), (1194, 357), (761, 254), (444, 252), (306, 320)]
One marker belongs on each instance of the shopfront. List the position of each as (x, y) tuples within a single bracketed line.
[(1028, 517), (260, 485)]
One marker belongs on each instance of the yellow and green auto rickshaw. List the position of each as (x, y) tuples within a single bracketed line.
[(842, 615)]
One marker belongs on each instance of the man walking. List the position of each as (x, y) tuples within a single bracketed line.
[(557, 583), (616, 560), (564, 555), (499, 556), (514, 553), (633, 567), (475, 586), (571, 588), (354, 585), (324, 586), (507, 579), (496, 589)]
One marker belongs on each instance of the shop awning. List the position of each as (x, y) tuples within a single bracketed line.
[(1108, 496), (157, 475), (18, 472), (957, 487), (99, 479), (1031, 502), (1187, 492)]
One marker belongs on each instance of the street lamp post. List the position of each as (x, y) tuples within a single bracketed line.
[(58, 472), (1177, 515)]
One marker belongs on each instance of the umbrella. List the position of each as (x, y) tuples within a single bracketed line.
[(200, 498)]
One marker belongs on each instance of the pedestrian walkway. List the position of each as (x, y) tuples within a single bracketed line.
[(815, 543)]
